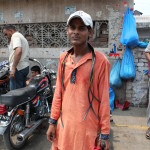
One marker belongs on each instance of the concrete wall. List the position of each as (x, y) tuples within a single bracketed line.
[(31, 11), (40, 11), (35, 11)]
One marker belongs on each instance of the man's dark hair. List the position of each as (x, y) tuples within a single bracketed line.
[(9, 27), (89, 27), (36, 69)]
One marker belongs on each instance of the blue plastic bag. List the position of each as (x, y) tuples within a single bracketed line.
[(115, 80), (142, 44), (127, 70), (111, 99), (129, 35)]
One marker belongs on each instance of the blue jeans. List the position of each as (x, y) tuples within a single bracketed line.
[(20, 79)]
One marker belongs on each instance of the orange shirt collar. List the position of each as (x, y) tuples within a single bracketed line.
[(85, 58)]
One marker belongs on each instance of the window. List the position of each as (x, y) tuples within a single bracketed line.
[(101, 34), (52, 35)]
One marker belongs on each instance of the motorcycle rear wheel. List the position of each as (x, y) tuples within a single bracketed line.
[(10, 139)]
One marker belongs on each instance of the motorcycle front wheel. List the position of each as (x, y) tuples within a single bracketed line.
[(12, 131)]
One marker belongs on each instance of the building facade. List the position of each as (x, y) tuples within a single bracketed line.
[(43, 22)]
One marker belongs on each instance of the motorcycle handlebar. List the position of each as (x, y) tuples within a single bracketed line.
[(37, 61)]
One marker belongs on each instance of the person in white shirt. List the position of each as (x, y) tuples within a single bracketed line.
[(147, 54), (18, 57)]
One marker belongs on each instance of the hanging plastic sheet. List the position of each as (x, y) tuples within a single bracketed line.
[(127, 70), (129, 35), (111, 99), (142, 44), (115, 80)]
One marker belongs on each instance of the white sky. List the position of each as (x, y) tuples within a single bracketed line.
[(142, 6)]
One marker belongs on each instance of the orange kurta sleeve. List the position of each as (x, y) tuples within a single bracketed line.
[(56, 104), (104, 112)]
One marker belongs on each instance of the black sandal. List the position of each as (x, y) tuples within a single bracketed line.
[(148, 133)]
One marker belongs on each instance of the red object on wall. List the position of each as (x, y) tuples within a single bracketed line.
[(114, 54), (125, 106)]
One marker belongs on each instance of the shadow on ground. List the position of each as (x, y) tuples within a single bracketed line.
[(111, 139)]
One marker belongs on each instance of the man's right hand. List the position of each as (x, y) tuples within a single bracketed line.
[(51, 133), (12, 74)]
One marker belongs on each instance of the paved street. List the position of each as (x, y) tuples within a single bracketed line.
[(127, 132), (37, 141)]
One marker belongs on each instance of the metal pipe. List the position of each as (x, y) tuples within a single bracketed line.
[(25, 133), (27, 114)]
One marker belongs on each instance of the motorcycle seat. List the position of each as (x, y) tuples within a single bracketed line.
[(18, 96)]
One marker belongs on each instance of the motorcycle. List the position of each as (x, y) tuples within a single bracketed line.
[(23, 110), (4, 77)]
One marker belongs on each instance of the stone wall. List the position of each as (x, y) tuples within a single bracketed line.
[(22, 12), (137, 89), (32, 11), (39, 11)]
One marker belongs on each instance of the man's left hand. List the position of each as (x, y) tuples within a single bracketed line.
[(12, 73), (107, 143)]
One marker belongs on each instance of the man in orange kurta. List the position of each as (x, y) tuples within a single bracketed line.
[(81, 111)]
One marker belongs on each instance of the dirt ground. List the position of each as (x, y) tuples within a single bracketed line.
[(127, 132)]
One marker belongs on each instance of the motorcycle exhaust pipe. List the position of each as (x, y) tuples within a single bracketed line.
[(25, 133)]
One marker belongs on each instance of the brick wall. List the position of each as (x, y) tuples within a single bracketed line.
[(137, 89)]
